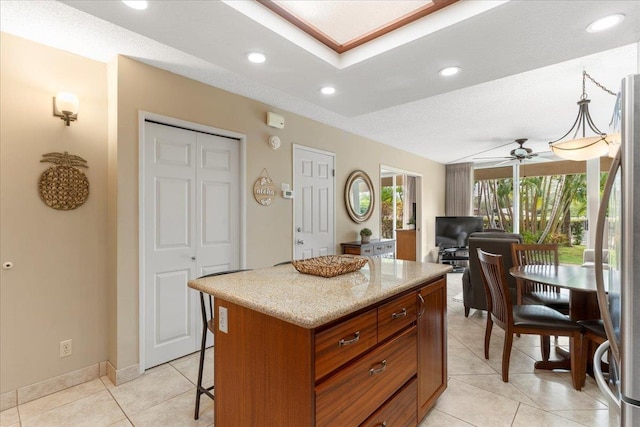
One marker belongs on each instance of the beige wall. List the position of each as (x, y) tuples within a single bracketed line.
[(57, 289), (83, 279), (269, 229)]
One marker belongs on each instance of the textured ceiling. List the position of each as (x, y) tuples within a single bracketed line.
[(522, 63)]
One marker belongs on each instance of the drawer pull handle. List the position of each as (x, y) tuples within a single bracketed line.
[(353, 340), (383, 366), (402, 313)]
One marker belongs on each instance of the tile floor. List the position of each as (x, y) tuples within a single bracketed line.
[(476, 396)]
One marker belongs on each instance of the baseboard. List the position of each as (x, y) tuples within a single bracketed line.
[(121, 376), (40, 389), (8, 400)]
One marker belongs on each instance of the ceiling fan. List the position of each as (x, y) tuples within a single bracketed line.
[(518, 155)]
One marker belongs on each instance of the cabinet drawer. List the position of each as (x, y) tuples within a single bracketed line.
[(351, 250), (395, 315), (367, 250), (351, 395), (382, 248), (400, 411), (341, 343)]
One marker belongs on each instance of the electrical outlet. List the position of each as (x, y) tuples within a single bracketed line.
[(66, 348), (223, 321)]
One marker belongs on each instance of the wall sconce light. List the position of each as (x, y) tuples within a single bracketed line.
[(65, 106)]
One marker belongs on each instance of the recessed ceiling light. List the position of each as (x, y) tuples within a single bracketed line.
[(256, 57), (328, 90), (605, 23), (450, 71), (136, 4)]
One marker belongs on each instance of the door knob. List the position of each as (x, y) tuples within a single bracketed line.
[(300, 242), (299, 229), (193, 258)]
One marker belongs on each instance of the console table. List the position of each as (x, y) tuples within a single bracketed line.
[(374, 247), (452, 256)]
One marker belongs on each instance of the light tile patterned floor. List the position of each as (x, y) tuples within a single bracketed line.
[(476, 395)]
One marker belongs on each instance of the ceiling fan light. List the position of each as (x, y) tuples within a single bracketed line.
[(582, 148)]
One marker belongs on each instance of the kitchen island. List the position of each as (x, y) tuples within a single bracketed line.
[(362, 348)]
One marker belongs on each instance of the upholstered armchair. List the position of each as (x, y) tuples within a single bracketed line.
[(473, 294)]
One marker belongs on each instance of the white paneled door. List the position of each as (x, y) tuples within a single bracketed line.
[(191, 228), (314, 203)]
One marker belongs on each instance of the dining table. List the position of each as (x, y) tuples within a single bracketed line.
[(583, 302)]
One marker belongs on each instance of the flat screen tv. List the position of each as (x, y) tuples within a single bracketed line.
[(454, 231)]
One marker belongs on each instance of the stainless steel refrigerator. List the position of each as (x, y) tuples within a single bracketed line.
[(618, 230)]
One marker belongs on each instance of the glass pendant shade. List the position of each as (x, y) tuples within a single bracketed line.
[(582, 148)]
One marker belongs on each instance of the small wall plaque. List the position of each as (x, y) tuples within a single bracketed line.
[(263, 190), (63, 186)]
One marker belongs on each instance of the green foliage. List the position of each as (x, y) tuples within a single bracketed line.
[(386, 211), (577, 231), (559, 238), (546, 205), (529, 237), (365, 232)]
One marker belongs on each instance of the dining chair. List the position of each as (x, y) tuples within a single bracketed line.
[(529, 292), (592, 332), (208, 324), (523, 319)]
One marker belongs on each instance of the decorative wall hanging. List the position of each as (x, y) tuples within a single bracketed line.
[(63, 186), (263, 190)]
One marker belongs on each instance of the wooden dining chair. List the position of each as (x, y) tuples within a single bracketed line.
[(529, 292), (593, 333), (523, 319), (208, 324)]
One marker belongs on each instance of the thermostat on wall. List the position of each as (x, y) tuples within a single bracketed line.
[(287, 194)]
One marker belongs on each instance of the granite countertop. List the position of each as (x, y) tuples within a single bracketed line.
[(311, 301)]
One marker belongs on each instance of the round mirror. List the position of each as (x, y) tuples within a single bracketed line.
[(359, 196)]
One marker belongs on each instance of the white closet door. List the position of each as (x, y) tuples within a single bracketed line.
[(170, 243), (218, 204), (191, 228)]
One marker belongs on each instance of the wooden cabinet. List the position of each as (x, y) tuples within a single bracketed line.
[(385, 362), (406, 240), (399, 411), (432, 344), (341, 343), (350, 396), (396, 315), (373, 248)]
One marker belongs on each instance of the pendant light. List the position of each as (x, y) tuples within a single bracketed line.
[(585, 146)]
